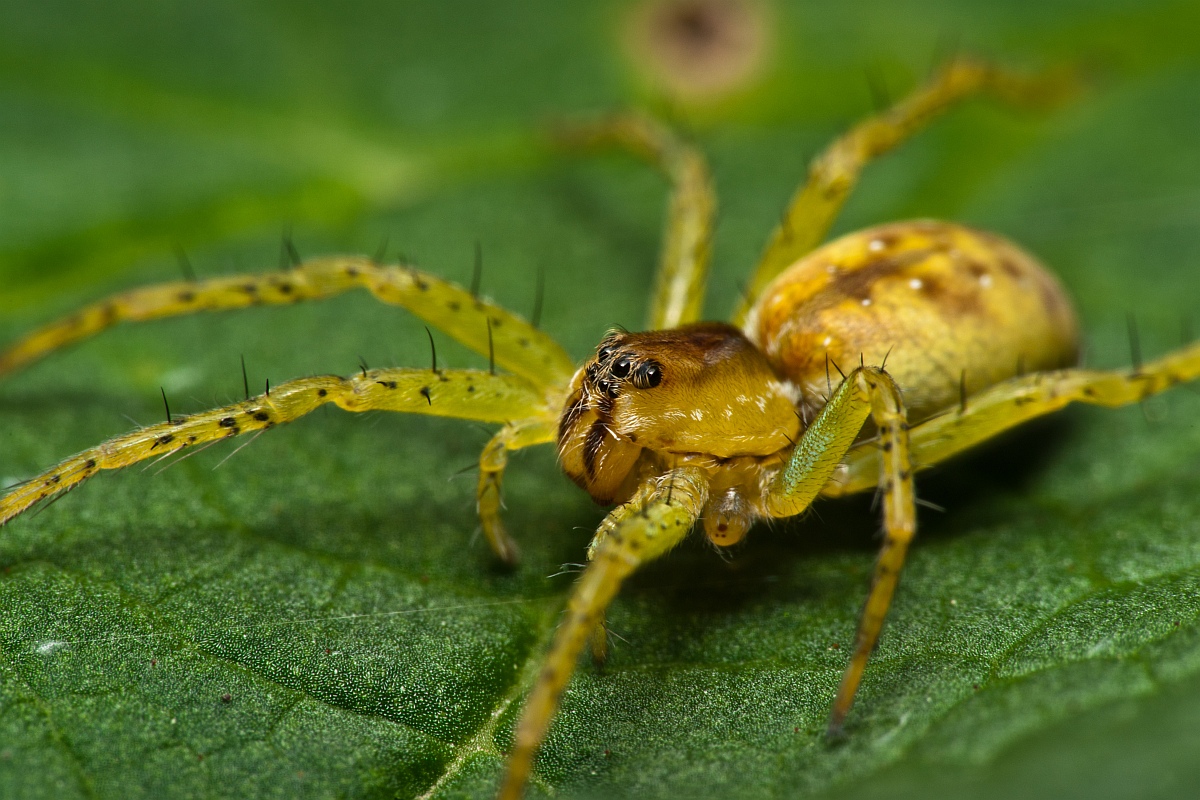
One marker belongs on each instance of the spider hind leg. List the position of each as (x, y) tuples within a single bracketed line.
[(1018, 400), (678, 296), (835, 171)]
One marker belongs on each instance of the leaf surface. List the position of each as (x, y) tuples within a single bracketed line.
[(317, 616)]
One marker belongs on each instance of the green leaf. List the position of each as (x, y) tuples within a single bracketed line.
[(317, 615)]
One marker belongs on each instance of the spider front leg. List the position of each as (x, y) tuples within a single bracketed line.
[(465, 394), (867, 391), (833, 174), (599, 639), (668, 508), (493, 460), (490, 330), (687, 247)]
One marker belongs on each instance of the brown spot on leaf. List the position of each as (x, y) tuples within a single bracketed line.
[(699, 49)]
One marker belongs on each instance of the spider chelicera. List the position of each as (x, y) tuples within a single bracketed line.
[(845, 368)]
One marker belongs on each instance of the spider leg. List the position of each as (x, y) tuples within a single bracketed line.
[(465, 394), (671, 507), (599, 640), (834, 172), (867, 391), (493, 460), (515, 344), (1018, 400), (683, 266)]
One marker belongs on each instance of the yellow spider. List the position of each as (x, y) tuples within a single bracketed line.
[(845, 368)]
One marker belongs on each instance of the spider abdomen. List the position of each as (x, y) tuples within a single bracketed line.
[(954, 310)]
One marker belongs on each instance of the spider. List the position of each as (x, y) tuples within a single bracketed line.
[(845, 368)]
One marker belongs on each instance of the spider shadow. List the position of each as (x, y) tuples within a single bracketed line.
[(778, 560)]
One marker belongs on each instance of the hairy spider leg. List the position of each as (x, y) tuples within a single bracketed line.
[(687, 241), (599, 640), (663, 516), (833, 174), (1018, 400), (464, 394), (867, 391), (492, 331), (513, 436)]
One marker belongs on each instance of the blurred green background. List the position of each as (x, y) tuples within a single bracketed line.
[(318, 617)]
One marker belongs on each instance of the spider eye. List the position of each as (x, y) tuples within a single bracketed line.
[(648, 376), (605, 353), (620, 367)]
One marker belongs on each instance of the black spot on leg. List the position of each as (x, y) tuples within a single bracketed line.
[(227, 422), (453, 305), (321, 392), (286, 288), (186, 297), (165, 439), (55, 478), (470, 388), (89, 464), (261, 416), (426, 395)]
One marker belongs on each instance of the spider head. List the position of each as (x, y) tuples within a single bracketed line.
[(702, 388)]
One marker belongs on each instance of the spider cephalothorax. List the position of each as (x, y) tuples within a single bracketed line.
[(696, 421), (701, 389)]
